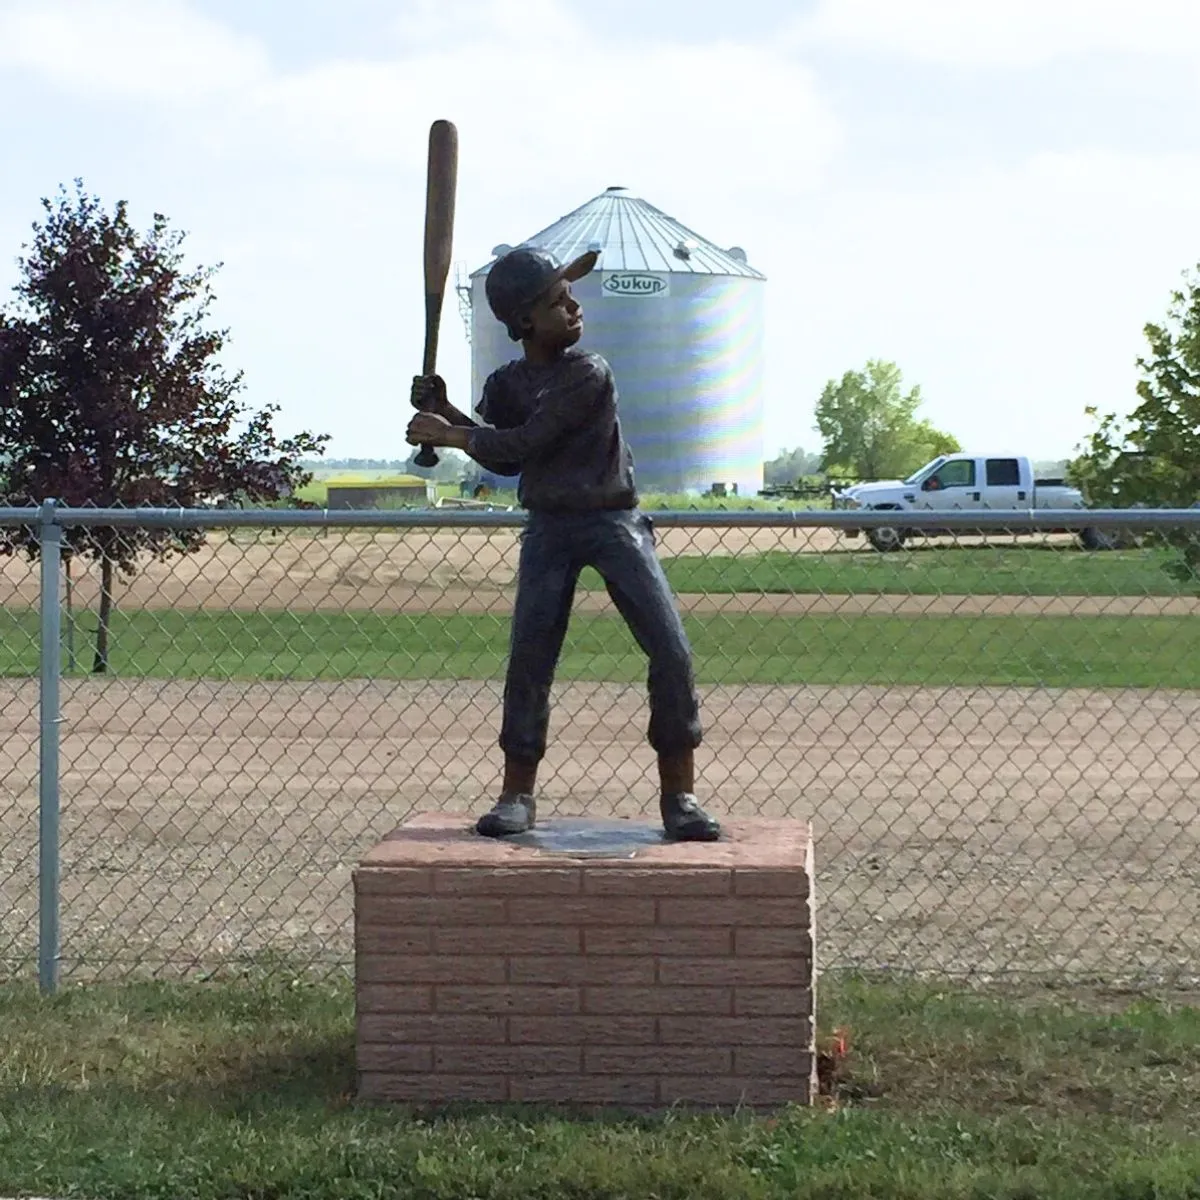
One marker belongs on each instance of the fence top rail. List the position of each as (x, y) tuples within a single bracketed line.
[(1010, 520)]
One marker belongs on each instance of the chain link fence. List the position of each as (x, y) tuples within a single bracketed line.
[(995, 732)]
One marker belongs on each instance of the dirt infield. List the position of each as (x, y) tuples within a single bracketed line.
[(959, 830)]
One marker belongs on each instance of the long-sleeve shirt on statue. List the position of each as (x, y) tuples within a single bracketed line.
[(557, 426)]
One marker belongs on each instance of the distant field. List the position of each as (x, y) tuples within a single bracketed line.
[(735, 648), (1032, 570), (685, 502), (317, 491)]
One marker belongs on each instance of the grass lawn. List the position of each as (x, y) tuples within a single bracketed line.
[(245, 1089), (1033, 570), (1066, 651)]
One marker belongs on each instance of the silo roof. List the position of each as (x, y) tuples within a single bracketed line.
[(633, 235)]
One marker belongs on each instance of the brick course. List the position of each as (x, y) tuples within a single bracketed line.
[(493, 972)]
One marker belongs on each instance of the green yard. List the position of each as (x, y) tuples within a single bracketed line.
[(1060, 650), (1053, 651), (245, 1089)]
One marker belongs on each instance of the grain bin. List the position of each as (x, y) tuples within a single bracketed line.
[(681, 322)]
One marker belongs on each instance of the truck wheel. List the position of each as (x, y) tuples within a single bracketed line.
[(886, 538), (1096, 539)]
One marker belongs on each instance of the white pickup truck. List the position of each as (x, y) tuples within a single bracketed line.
[(959, 483)]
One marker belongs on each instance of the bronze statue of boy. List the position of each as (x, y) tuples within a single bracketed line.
[(551, 417)]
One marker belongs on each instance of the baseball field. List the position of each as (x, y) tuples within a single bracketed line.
[(997, 743)]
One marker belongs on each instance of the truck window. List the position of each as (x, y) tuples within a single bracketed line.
[(959, 472), (1003, 472)]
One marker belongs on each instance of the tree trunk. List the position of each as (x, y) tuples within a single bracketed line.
[(100, 664), (70, 616)]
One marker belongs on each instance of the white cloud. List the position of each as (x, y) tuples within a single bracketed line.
[(1014, 295), (711, 133), (725, 117), (545, 115), (155, 49), (1019, 33), (309, 182), (425, 23)]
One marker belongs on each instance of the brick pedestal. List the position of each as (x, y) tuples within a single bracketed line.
[(665, 974)]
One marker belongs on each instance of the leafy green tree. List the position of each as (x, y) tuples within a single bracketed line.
[(870, 426), (112, 396), (790, 466), (1151, 458)]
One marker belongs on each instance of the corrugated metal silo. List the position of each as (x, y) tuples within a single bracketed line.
[(681, 322)]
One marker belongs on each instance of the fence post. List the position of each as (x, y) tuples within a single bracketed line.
[(50, 536)]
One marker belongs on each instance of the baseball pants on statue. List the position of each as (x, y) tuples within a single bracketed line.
[(620, 546)]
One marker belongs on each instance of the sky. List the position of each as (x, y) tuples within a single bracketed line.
[(996, 195)]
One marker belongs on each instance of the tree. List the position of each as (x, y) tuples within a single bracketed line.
[(111, 394), (1152, 457), (452, 467), (870, 428), (1050, 468), (790, 466)]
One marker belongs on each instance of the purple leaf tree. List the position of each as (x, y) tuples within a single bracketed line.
[(112, 395)]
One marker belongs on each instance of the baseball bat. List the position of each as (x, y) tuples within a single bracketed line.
[(440, 187)]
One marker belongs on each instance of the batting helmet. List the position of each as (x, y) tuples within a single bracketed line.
[(518, 279)]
